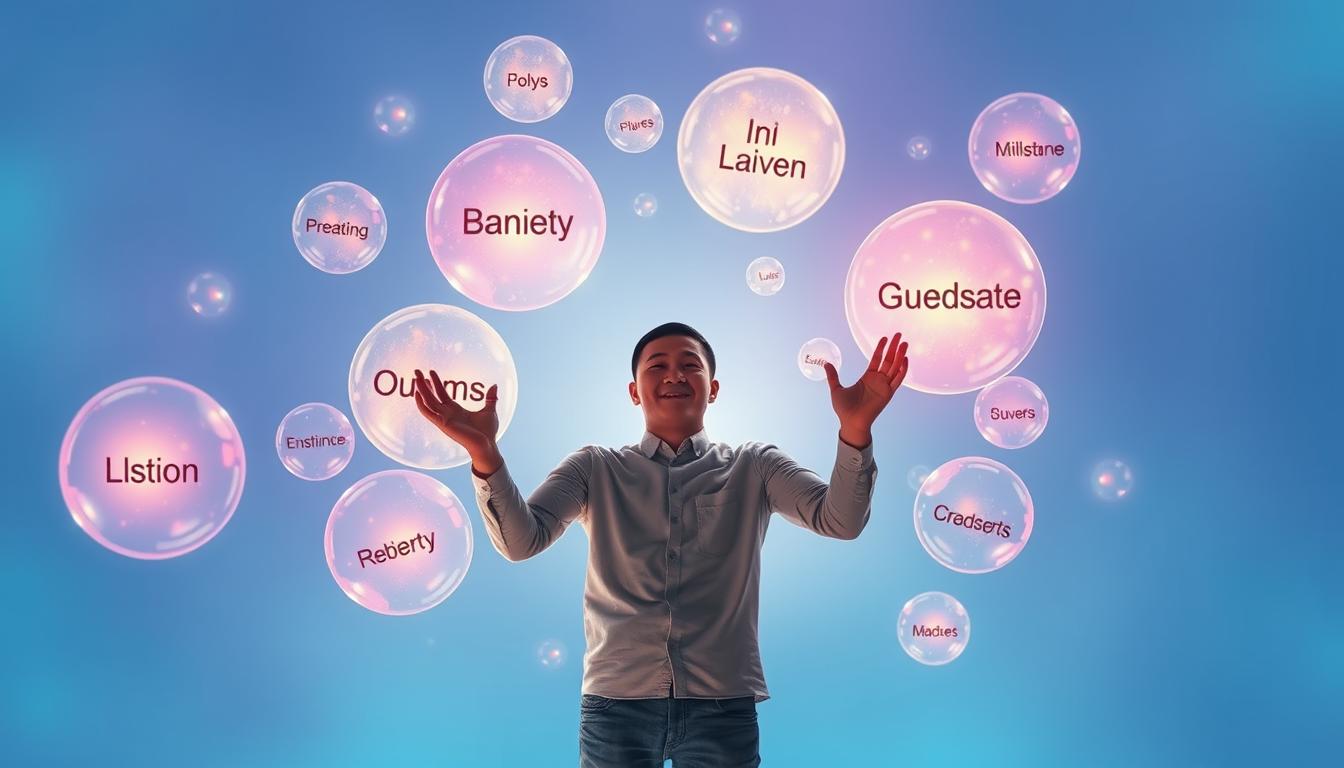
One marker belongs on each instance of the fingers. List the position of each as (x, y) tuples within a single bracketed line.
[(422, 388), (889, 361), (902, 368), (425, 408), (832, 377), (439, 389), (491, 397), (876, 362)]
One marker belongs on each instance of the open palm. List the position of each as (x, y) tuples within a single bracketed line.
[(859, 405), (473, 430)]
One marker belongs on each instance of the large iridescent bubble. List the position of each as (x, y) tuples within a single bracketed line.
[(398, 542), (962, 285), (469, 357), (339, 227), (515, 223), (973, 515), (761, 149), (1012, 412), (934, 628), (528, 78), (152, 468), (1025, 147)]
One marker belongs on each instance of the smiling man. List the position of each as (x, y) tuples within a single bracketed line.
[(675, 525)]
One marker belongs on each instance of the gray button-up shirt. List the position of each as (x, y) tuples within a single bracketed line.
[(674, 552)]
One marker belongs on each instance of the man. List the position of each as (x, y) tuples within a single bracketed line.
[(675, 525)]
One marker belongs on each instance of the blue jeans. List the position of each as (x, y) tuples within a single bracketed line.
[(642, 733)]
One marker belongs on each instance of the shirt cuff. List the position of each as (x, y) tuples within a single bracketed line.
[(488, 486), (851, 458)]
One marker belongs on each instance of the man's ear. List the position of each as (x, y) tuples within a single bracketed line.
[(634, 394), (713, 390)]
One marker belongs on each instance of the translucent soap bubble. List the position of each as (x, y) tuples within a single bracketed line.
[(973, 515), (916, 476), (939, 254), (469, 357), (918, 147), (394, 115), (645, 205), (765, 276), (634, 123), (152, 468), (339, 227), (934, 628), (1011, 412), (722, 26), (528, 78), (398, 542), (552, 654), (315, 441), (760, 149), (1112, 480), (1025, 148), (515, 223), (814, 355), (209, 294)]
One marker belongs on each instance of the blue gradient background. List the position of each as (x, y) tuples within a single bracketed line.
[(1193, 266)]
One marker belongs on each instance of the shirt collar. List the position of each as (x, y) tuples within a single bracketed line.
[(650, 443)]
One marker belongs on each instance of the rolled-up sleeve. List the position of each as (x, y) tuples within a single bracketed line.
[(839, 510), (520, 528)]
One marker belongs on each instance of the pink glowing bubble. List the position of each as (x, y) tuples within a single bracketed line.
[(918, 147), (1025, 148), (973, 515), (933, 628), (528, 78), (551, 654), (943, 254), (814, 355), (398, 542), (645, 205), (339, 227), (209, 294), (634, 123), (152, 468), (1112, 480), (515, 223), (723, 26), (315, 441), (469, 357), (761, 149), (1011, 412), (394, 115)]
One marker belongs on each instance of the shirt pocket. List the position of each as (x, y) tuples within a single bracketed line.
[(716, 531)]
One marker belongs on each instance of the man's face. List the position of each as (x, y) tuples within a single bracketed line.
[(672, 383)]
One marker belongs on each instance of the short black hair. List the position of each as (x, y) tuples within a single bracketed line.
[(670, 329)]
